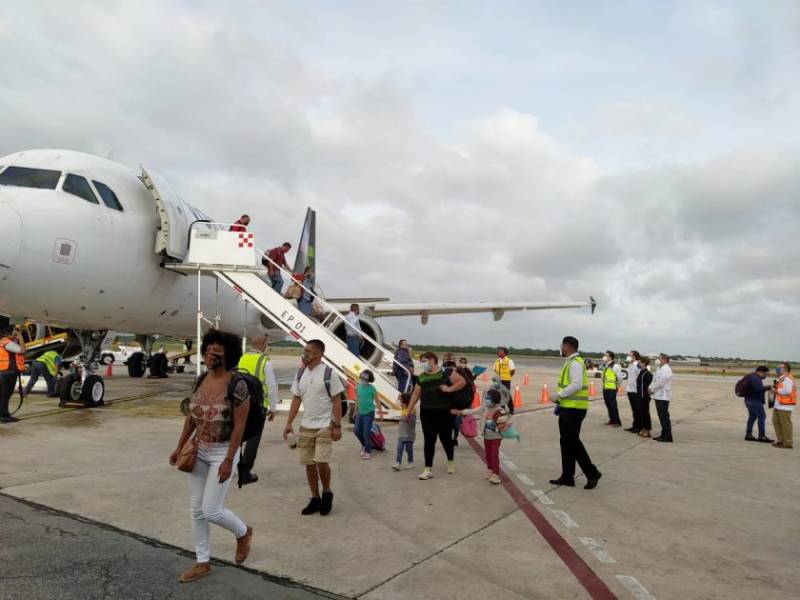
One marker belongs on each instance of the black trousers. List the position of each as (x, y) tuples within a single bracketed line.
[(572, 449), (248, 457), (610, 397), (8, 382), (633, 398), (643, 406), (507, 385), (662, 407), (437, 423)]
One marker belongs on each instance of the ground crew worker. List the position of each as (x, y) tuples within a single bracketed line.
[(46, 366), (572, 399), (12, 363), (505, 368), (257, 363), (785, 401), (611, 380)]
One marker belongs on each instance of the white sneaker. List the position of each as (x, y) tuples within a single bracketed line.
[(488, 474), (426, 474), (409, 466), (451, 468), (366, 456), (494, 479), (396, 466)]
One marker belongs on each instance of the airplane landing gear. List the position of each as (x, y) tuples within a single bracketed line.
[(83, 384), (140, 362)]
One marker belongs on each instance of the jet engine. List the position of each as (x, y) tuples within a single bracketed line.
[(371, 328)]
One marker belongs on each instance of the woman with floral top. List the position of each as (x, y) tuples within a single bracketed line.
[(218, 421)]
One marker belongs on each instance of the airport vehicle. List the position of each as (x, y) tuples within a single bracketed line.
[(91, 245)]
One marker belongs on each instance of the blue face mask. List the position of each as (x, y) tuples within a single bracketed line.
[(427, 367)]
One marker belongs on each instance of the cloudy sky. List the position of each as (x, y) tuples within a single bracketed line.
[(646, 153)]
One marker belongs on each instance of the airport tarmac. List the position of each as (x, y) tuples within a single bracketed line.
[(711, 516)]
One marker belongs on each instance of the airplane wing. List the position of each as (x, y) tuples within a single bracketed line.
[(425, 309)]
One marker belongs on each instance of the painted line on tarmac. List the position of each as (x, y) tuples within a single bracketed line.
[(525, 479), (510, 465), (595, 548), (562, 516), (596, 587), (637, 589), (542, 497), (66, 409)]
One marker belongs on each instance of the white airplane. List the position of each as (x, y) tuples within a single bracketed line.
[(83, 245)]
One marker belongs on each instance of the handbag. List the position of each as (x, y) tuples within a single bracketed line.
[(188, 454)]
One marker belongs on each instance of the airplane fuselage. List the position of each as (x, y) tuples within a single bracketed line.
[(65, 260)]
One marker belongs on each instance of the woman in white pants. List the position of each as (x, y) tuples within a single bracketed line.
[(219, 421)]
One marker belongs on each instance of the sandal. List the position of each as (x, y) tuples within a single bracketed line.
[(197, 571), (243, 546), (644, 433)]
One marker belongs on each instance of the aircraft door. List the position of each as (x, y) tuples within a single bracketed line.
[(172, 238)]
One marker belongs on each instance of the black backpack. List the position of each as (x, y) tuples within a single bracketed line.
[(258, 413), (742, 387), (462, 399)]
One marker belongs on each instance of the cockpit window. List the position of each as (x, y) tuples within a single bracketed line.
[(75, 184), (107, 194), (44, 179)]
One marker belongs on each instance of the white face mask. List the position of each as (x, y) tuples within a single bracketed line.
[(427, 367), (658, 362), (630, 358)]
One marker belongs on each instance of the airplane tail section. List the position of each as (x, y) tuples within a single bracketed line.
[(306, 249)]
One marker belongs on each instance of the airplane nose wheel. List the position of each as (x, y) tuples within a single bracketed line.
[(70, 389), (93, 391)]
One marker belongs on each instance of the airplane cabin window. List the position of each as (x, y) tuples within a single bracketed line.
[(44, 179), (77, 185), (107, 194)]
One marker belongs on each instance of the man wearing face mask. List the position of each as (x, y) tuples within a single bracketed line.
[(634, 366), (320, 391), (661, 390), (505, 369), (572, 398), (610, 381), (754, 401)]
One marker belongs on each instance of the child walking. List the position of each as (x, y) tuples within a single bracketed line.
[(406, 433), (367, 401), (495, 418)]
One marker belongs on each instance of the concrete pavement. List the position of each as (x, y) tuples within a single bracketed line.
[(691, 520)]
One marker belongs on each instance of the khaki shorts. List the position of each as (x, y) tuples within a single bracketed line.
[(314, 445)]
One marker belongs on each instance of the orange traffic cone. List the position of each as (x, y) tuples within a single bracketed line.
[(591, 389), (484, 378), (526, 380), (351, 390), (544, 397), (108, 370), (476, 399), (517, 398)]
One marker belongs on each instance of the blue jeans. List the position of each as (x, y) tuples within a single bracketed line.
[(408, 447), (305, 306), (363, 429), (277, 282), (354, 344), (755, 410)]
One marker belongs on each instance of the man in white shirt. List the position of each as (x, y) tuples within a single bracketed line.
[(320, 392), (634, 367), (353, 329), (661, 391), (785, 401)]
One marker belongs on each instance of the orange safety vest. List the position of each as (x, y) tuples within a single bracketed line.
[(5, 357), (791, 398)]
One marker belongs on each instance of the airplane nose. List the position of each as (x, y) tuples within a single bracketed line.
[(10, 238)]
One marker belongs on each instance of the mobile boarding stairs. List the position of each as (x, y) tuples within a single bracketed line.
[(231, 257)]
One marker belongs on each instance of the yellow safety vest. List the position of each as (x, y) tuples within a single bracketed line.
[(579, 399), (503, 368), (253, 363), (609, 378), (48, 359)]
